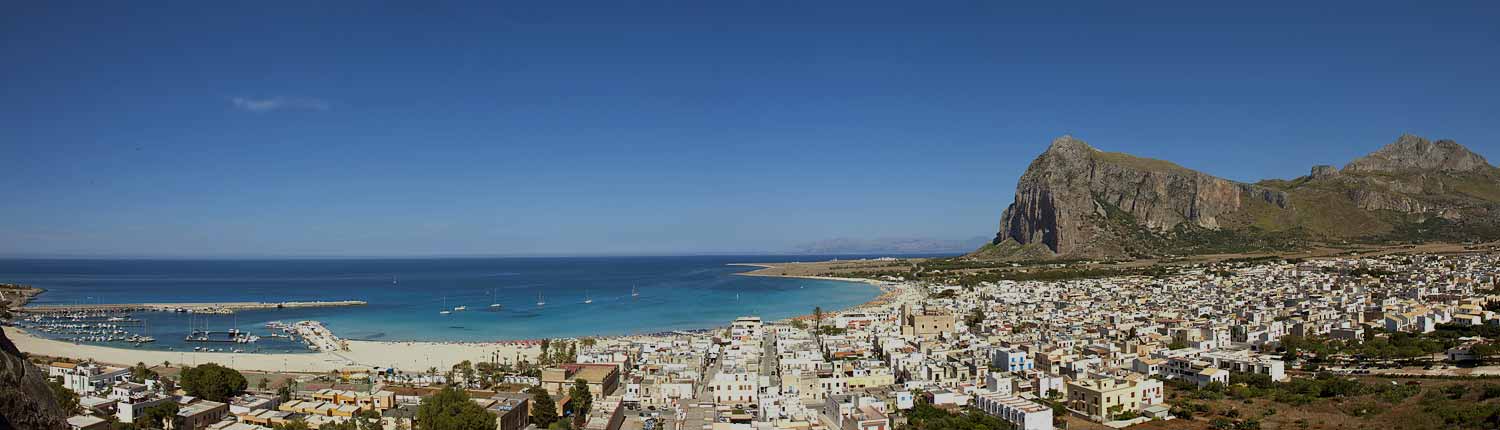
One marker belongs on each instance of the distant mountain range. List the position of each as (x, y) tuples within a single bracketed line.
[(890, 245), (1075, 201)]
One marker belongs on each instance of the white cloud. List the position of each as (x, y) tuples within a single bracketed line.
[(279, 103)]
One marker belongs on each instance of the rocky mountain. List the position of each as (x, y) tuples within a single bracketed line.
[(1075, 201), (26, 401)]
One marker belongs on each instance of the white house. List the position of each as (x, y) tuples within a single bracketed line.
[(1025, 414)]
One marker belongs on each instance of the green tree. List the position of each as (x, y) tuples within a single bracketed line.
[(293, 424), (213, 382), (367, 420), (65, 397), (362, 420), (450, 409), (159, 416), (818, 324), (974, 319), (582, 400), (924, 416), (140, 373), (543, 408), (466, 369)]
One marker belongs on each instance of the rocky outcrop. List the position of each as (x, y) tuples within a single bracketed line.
[(1324, 172), (1071, 188), (1372, 199), (1403, 175), (1415, 154), (26, 401)]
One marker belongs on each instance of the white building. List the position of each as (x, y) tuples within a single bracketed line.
[(736, 385), (998, 383), (1011, 360), (852, 412), (87, 378), (1247, 362), (132, 408), (746, 329), (1025, 414)]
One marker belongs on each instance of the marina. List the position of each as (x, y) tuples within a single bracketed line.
[(124, 328)]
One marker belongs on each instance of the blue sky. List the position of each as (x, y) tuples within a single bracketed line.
[(350, 128)]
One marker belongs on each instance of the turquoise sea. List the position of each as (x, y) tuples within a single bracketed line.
[(406, 295)]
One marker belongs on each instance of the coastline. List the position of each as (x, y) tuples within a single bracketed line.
[(889, 291)]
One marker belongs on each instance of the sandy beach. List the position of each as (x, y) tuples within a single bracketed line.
[(889, 291), (405, 356)]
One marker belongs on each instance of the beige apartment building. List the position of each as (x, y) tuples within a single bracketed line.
[(1100, 398)]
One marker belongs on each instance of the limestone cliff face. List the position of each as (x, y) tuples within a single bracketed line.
[(26, 401), (1066, 192)]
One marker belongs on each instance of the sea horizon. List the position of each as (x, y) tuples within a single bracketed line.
[(823, 256)]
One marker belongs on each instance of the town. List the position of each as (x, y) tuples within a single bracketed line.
[(1113, 352)]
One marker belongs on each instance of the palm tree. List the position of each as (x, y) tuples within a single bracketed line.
[(818, 324)]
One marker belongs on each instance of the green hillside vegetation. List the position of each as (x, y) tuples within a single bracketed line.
[(1314, 214), (1409, 230), (1484, 187), (1186, 239), (1010, 250), (1140, 163)]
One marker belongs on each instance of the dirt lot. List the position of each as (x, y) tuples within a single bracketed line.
[(1357, 412)]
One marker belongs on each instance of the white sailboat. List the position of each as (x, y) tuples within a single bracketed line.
[(634, 292), (445, 310), (494, 303), (539, 301), (586, 298)]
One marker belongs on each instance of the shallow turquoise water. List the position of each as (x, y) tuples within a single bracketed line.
[(674, 293)]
